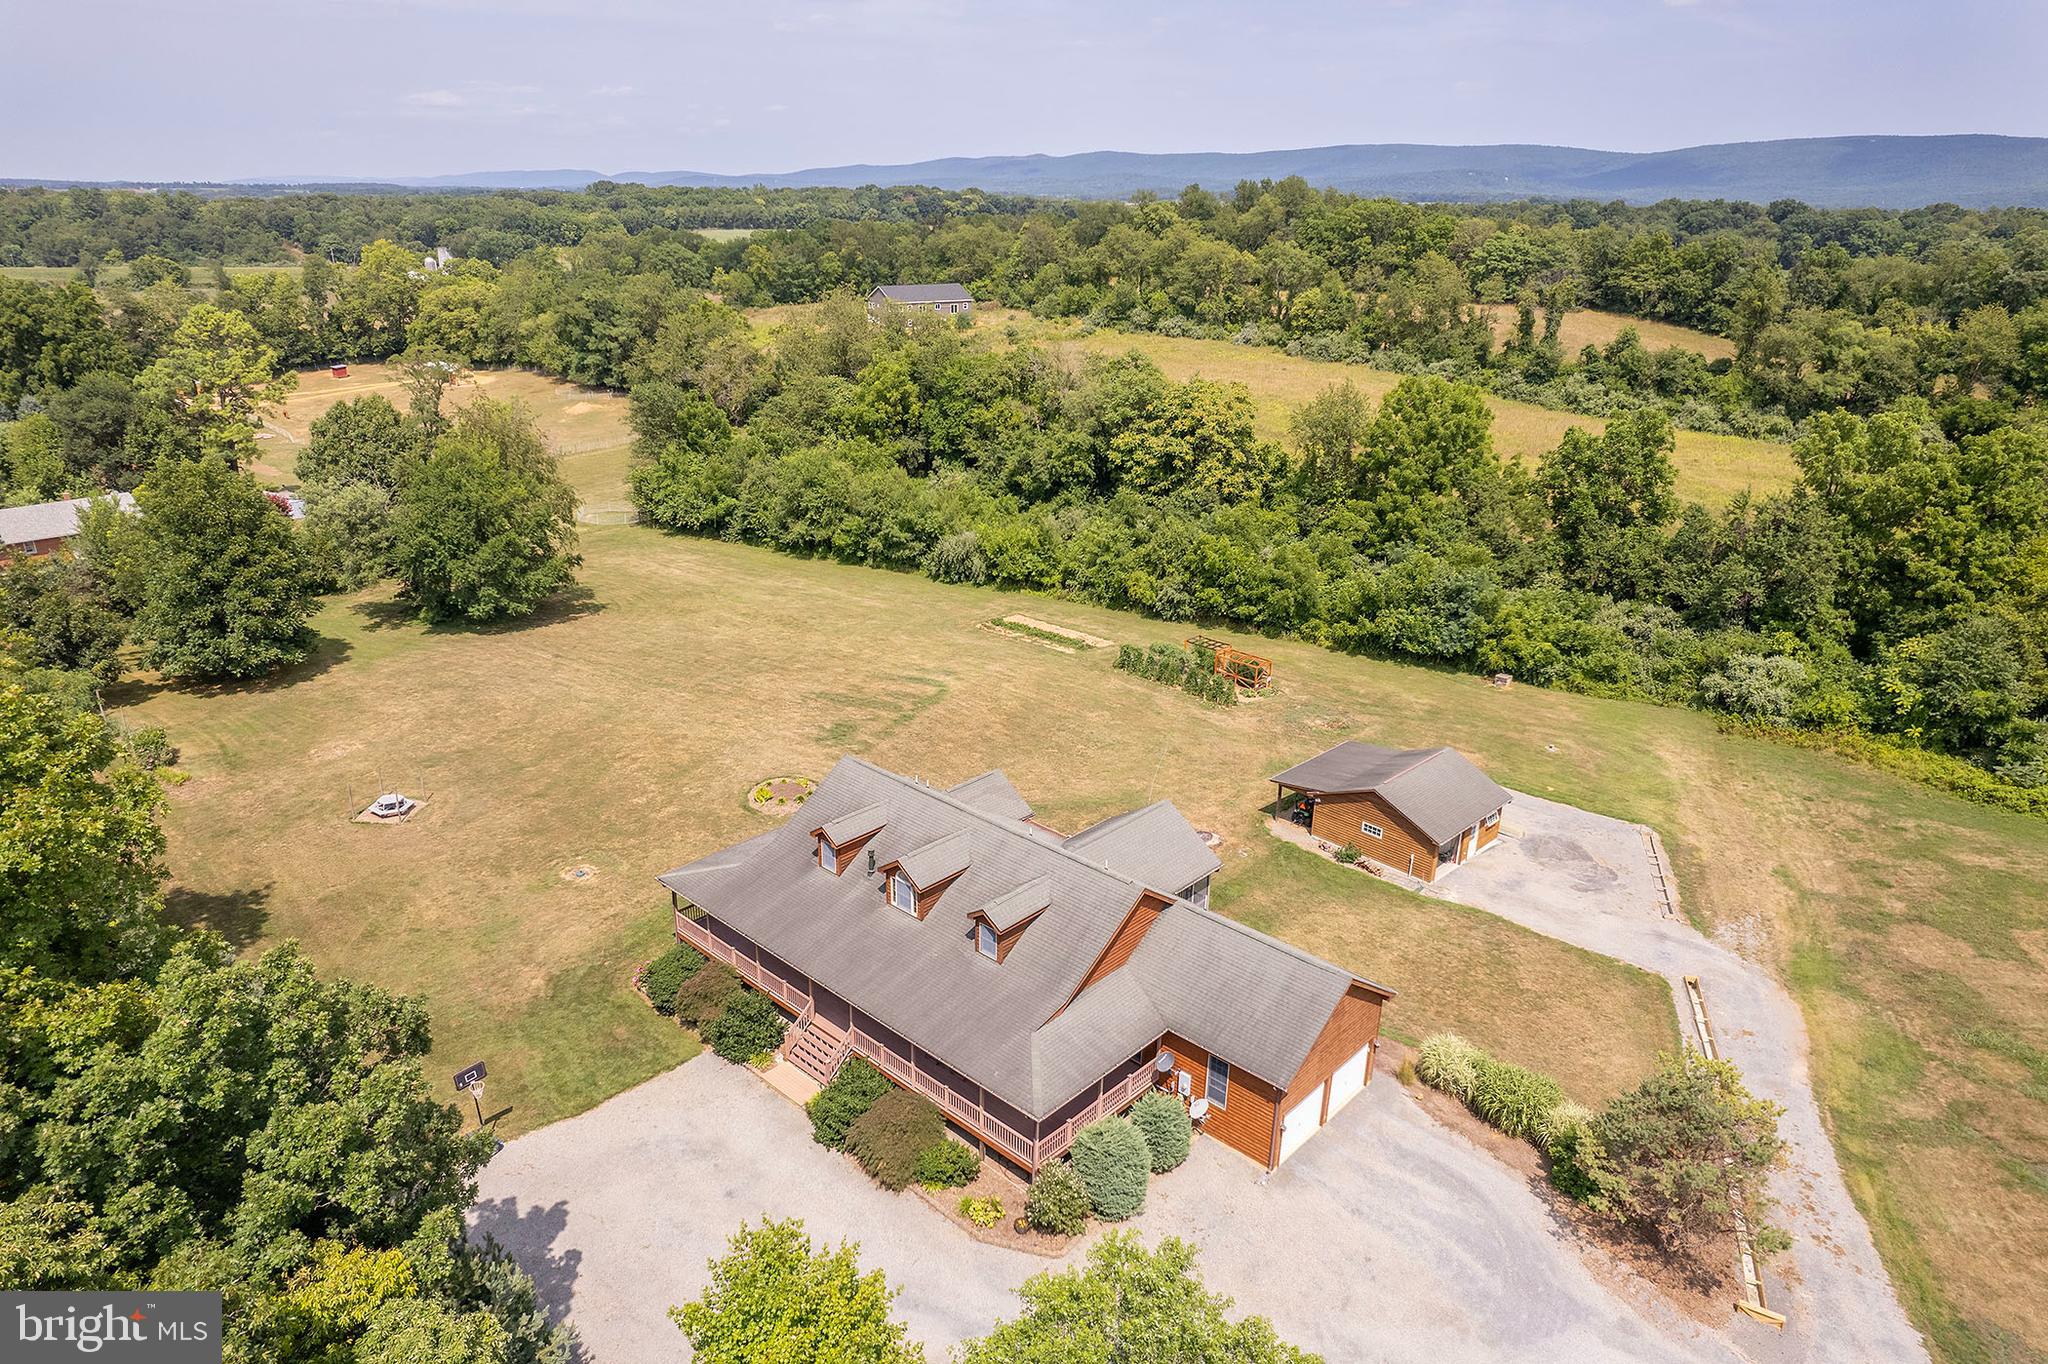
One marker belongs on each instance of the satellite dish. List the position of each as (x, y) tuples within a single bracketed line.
[(1163, 1062), (1198, 1110)]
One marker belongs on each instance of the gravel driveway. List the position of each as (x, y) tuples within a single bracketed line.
[(1587, 879), (1387, 1237)]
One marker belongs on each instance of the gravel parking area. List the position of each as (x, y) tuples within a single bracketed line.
[(1387, 1237), (1587, 879)]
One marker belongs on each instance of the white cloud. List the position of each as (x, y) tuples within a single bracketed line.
[(434, 99)]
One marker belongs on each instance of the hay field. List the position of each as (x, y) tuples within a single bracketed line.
[(1590, 327), (586, 425)]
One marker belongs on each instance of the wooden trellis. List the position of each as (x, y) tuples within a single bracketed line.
[(1248, 670)]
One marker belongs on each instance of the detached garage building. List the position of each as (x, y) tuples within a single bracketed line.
[(1417, 810)]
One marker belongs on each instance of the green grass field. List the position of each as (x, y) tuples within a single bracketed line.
[(624, 729), (1711, 469)]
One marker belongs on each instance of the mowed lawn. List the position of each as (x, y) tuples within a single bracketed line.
[(1711, 469), (622, 732)]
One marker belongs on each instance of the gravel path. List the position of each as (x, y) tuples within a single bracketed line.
[(1387, 1237), (1587, 879)]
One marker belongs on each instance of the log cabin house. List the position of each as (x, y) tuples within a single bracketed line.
[(1421, 811), (1027, 982)]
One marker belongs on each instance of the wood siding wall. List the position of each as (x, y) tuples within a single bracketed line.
[(1129, 934), (1354, 1022), (1337, 820), (1251, 1111)]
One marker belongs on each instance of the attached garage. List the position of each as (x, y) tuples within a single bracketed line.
[(1300, 1123), (1347, 1082), (1335, 1072)]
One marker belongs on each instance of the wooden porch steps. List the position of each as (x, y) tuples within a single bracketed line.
[(816, 1050)]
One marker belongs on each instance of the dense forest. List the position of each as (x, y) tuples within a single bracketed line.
[(1897, 591)]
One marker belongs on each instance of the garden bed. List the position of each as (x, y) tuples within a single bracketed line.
[(996, 1182), (780, 796)]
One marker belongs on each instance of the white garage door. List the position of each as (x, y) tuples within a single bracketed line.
[(1301, 1122), (1349, 1079)]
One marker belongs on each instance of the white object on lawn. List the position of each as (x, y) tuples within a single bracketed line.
[(390, 805)]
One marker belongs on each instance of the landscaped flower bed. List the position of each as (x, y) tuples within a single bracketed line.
[(780, 795)]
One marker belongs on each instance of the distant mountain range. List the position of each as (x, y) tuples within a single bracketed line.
[(1891, 172)]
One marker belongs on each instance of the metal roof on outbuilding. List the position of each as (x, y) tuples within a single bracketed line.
[(1437, 790)]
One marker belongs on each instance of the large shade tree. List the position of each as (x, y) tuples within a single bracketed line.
[(227, 590), (484, 528)]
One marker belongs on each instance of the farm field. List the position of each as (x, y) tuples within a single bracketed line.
[(1590, 327), (1711, 469), (622, 731), (587, 425)]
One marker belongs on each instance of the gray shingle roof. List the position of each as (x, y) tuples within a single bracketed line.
[(924, 293), (1010, 1027), (992, 791), (1154, 845), (1435, 789), (939, 860), (853, 824), (1013, 907), (49, 520)]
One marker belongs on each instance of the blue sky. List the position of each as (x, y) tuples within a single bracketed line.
[(108, 88)]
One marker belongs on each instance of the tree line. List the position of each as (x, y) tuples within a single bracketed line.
[(1896, 589), (1847, 308)]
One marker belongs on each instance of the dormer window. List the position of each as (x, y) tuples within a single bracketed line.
[(840, 840), (985, 940), (902, 894)]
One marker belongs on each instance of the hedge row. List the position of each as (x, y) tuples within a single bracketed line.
[(1192, 670)]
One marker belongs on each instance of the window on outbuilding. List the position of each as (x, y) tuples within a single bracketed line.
[(1217, 1091), (1370, 829), (985, 940)]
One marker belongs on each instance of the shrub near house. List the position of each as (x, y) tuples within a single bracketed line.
[(1114, 1162)]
